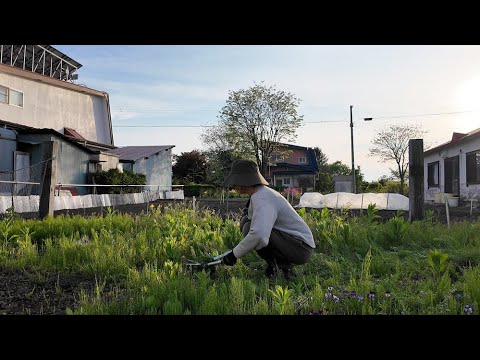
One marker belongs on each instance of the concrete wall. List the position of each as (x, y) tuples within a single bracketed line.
[(157, 168), (72, 161), (49, 106), (466, 192), (107, 161)]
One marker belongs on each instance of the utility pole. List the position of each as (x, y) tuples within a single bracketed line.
[(354, 188)]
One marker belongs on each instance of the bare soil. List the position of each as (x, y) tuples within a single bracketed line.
[(27, 292)]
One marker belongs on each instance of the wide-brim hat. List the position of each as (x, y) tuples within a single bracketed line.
[(244, 172)]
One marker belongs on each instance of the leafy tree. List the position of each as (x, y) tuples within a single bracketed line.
[(391, 144), (339, 168), (253, 121), (189, 167), (322, 159), (328, 171), (219, 163)]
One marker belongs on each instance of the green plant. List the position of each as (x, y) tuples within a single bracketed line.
[(282, 298), (372, 214), (115, 177), (437, 262), (394, 231)]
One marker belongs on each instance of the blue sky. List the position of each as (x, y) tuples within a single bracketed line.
[(165, 85)]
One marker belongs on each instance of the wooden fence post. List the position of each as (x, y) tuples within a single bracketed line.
[(47, 197)]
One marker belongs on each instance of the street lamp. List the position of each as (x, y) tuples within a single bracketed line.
[(354, 188)]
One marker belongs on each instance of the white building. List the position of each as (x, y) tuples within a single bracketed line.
[(454, 167), (153, 161), (37, 90), (40, 102)]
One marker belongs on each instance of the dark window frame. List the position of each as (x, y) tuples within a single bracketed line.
[(4, 95), (430, 183), (472, 179)]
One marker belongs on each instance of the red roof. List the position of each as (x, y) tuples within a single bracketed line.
[(73, 133), (456, 138)]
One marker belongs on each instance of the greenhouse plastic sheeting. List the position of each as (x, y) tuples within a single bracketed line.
[(343, 200), (31, 203)]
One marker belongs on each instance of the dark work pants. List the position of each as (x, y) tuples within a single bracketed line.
[(282, 250)]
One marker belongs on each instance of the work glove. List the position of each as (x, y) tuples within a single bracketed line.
[(229, 259)]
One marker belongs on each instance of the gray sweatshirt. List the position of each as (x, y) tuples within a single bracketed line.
[(269, 209)]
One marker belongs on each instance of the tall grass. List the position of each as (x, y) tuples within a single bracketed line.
[(360, 266)]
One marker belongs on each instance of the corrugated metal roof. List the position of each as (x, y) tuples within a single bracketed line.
[(73, 133), (133, 153)]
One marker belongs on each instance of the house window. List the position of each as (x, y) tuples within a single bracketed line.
[(3, 95), (276, 157), (127, 166), (15, 98), (433, 174), (286, 181), (473, 167), (302, 160)]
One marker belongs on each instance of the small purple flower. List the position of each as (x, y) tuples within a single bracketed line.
[(360, 298), (468, 309), (459, 296), (345, 292), (353, 294), (328, 295), (371, 295), (335, 298)]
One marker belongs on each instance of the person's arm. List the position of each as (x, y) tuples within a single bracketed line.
[(263, 218)]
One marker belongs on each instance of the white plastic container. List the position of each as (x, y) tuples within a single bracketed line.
[(453, 201)]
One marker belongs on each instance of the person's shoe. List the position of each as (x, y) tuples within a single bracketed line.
[(287, 274), (270, 271)]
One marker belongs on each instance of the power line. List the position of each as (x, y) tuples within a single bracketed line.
[(307, 122), (162, 126), (194, 126), (432, 114)]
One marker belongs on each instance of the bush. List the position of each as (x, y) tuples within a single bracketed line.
[(115, 177), (394, 187), (197, 189)]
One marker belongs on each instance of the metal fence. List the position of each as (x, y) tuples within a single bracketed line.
[(64, 199)]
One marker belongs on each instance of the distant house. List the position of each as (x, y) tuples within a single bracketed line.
[(153, 161), (454, 167), (292, 166)]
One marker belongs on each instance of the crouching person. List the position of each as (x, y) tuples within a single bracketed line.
[(270, 225)]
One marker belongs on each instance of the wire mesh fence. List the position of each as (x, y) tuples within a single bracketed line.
[(20, 192), (25, 181), (66, 199)]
